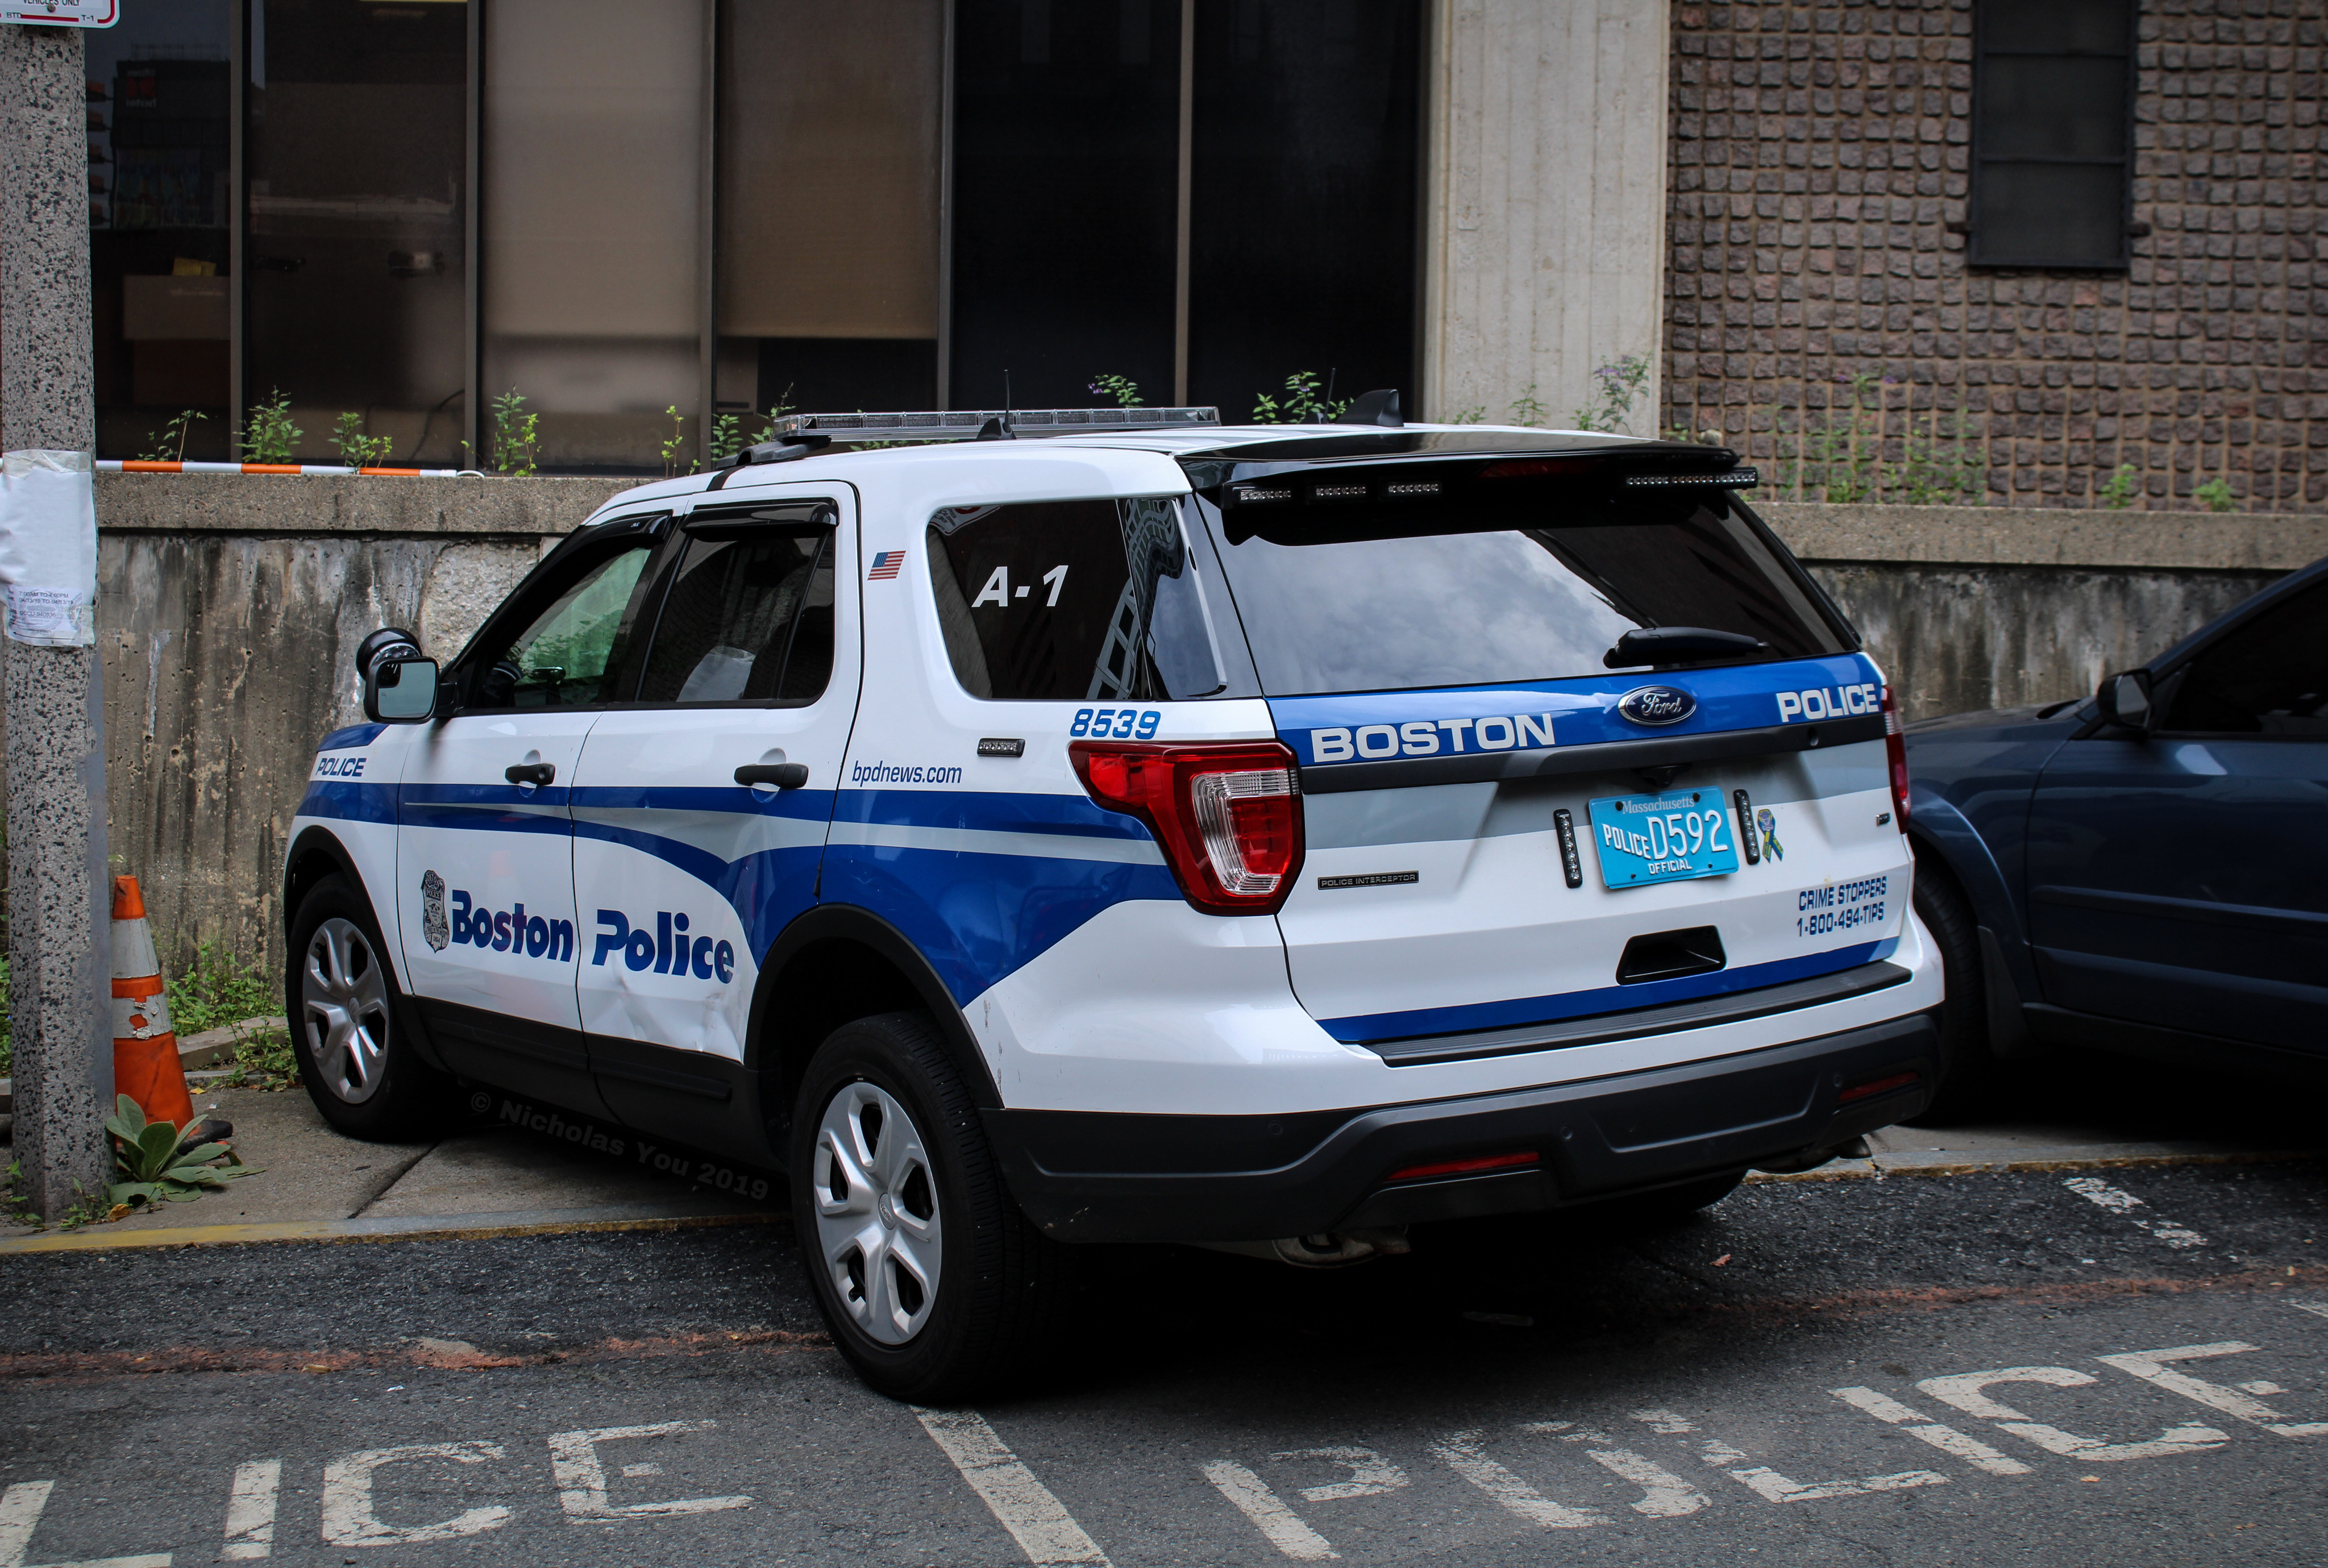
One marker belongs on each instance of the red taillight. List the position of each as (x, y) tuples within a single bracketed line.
[(1227, 814), (1874, 1087), (1895, 752), (1467, 1167)]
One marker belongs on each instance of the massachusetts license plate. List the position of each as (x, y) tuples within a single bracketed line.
[(1667, 838)]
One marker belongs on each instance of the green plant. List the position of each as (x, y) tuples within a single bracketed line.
[(13, 1205), (2122, 487), (517, 436), (356, 449), (2217, 494), (158, 1169), (674, 447), (265, 1058), (1527, 409), (219, 988), (269, 434), (1304, 404), (1122, 388), (1475, 414), (1614, 389), (170, 440)]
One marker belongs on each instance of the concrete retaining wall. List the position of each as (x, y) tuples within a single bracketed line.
[(229, 610)]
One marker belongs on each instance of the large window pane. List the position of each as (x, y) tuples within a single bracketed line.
[(159, 125), (2050, 130), (355, 160), (829, 173), (1066, 178), (1302, 227), (592, 137)]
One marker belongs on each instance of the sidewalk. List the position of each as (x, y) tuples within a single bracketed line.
[(503, 1178)]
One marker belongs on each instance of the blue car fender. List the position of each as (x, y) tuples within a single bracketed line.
[(1940, 829)]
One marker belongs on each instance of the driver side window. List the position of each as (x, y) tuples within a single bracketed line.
[(2269, 677), (571, 652)]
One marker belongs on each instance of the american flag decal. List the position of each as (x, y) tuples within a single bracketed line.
[(886, 565)]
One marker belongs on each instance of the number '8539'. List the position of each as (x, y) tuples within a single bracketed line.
[(1116, 723)]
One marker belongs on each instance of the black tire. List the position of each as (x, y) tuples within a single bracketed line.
[(1971, 1077), (1000, 1282), (400, 1097)]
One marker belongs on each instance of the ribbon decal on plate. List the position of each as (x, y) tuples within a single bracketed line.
[(1770, 826)]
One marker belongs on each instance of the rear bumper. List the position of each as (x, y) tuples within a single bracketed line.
[(1108, 1177)]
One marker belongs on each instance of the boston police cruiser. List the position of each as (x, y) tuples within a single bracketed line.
[(1271, 837)]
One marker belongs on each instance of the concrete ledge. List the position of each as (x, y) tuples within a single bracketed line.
[(2049, 536), (518, 1223), (346, 504), (2068, 1157)]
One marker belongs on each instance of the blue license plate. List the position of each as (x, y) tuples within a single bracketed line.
[(1668, 838)]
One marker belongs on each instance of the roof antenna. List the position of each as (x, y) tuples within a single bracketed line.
[(1006, 388)]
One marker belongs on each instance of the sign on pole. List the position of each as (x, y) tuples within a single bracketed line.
[(62, 13)]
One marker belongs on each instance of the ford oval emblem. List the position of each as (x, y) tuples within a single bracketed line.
[(1656, 705)]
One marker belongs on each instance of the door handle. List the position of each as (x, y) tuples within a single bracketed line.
[(784, 775), (529, 773)]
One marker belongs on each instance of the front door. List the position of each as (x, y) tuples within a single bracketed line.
[(685, 874), (485, 835), (2181, 879)]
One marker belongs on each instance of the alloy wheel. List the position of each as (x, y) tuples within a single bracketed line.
[(877, 1213), (343, 1009)]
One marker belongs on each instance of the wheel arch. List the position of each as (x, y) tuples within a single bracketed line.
[(1940, 833), (318, 853), (835, 964)]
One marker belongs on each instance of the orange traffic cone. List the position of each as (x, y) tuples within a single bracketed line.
[(145, 1066)]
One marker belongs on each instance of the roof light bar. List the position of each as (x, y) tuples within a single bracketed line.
[(1728, 479), (964, 423)]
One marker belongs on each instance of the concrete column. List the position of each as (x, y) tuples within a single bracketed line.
[(1544, 221), (58, 939)]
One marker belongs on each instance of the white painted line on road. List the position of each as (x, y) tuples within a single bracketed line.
[(1775, 1487), (20, 1515), (1464, 1453), (2317, 1309), (2117, 1200), (2150, 1366), (1371, 1475), (1947, 1439), (1281, 1525), (581, 1476), (1664, 1495), (250, 1511), (1036, 1519), (348, 1516), (1965, 1390)]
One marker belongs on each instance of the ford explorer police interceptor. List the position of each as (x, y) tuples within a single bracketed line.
[(1274, 837)]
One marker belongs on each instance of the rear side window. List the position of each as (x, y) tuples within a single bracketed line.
[(748, 617), (1530, 584), (1077, 600), (2269, 676)]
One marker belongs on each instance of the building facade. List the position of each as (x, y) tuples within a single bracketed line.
[(1910, 250)]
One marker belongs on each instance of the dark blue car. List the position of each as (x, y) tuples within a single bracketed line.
[(2142, 871)]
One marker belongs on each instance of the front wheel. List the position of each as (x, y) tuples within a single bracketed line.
[(348, 1024), (933, 1283)]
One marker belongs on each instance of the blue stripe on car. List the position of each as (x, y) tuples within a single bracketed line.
[(1576, 1004)]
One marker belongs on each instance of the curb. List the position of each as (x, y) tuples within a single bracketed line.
[(1941, 1162), (422, 1227)]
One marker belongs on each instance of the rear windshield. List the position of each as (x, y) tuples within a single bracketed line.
[(1385, 599)]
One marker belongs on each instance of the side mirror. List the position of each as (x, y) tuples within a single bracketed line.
[(2123, 698), (400, 691)]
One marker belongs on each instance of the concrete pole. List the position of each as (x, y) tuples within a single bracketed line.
[(59, 939)]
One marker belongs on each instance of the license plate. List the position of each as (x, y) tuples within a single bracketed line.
[(1668, 838)]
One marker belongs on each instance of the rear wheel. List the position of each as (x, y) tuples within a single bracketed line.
[(933, 1283), (1970, 1074), (348, 1024)]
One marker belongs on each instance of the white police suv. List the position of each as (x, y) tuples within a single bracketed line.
[(1272, 837)]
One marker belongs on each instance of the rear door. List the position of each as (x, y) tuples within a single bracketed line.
[(1501, 832), (685, 874), (2181, 879), (485, 837)]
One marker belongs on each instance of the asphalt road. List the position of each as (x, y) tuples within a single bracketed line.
[(1509, 1394)]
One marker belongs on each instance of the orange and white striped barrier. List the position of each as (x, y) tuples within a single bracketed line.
[(133, 465), (145, 1065)]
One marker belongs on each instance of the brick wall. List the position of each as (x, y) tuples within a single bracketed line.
[(1818, 156)]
